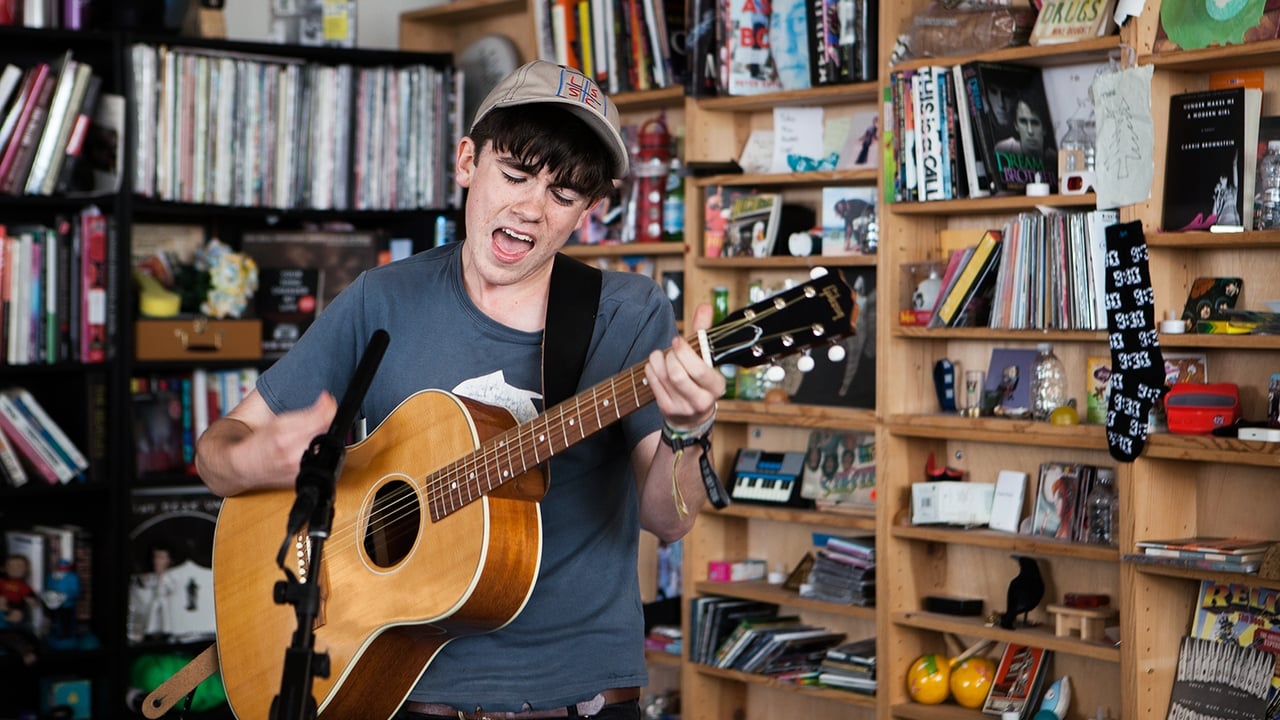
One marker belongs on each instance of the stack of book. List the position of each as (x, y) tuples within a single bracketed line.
[(850, 666), (844, 570), (1230, 554)]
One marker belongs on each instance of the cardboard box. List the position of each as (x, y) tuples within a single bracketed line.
[(951, 503), (198, 339)]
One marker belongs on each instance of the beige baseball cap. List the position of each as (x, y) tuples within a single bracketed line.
[(546, 82)]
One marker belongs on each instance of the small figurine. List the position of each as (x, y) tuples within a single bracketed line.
[(17, 600), (62, 590)]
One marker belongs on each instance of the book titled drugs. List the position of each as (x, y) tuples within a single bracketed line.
[(1061, 21), (1211, 159)]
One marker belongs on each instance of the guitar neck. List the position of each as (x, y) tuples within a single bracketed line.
[(527, 445)]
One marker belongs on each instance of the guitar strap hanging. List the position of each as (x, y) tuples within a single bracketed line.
[(571, 314), (571, 317)]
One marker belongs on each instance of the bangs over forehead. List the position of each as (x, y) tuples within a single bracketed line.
[(547, 137)]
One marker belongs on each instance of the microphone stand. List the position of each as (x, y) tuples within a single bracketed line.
[(313, 507)]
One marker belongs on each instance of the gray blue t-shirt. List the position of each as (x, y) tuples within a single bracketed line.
[(582, 629)]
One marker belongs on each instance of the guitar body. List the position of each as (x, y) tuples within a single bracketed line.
[(396, 586)]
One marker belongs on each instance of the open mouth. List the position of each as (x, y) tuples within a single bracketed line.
[(510, 245)]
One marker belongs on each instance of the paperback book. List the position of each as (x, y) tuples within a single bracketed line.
[(1019, 677), (1211, 159), (1243, 615)]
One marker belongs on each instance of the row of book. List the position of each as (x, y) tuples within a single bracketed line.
[(970, 130), (54, 293), (32, 445), (1038, 272), (172, 410), (65, 14), (225, 128), (759, 47), (624, 45), (58, 560), (48, 110)]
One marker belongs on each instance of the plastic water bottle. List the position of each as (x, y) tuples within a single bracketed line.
[(1103, 504), (1048, 383), (1266, 203)]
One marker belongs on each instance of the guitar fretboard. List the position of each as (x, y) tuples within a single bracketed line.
[(525, 446)]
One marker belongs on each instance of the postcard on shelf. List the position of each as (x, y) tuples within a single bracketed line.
[(858, 140), (752, 227), (797, 137), (849, 225), (1209, 300), (757, 152), (1009, 379)]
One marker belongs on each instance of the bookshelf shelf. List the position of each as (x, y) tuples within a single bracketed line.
[(1042, 55), (998, 430), (618, 250), (458, 11), (842, 696), (827, 95), (764, 592), (945, 711), (744, 411), (784, 262), (1039, 636), (862, 522), (988, 205), (1250, 579), (1210, 449), (816, 178), (977, 333), (1021, 544)]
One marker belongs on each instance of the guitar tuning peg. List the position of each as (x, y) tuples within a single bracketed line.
[(817, 272), (805, 362), (835, 353), (775, 374)]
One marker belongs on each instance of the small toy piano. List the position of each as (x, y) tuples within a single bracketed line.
[(768, 478)]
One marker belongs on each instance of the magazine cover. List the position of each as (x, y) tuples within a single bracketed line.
[(1016, 685), (839, 468), (1099, 384), (171, 550), (1245, 615), (1057, 497), (1009, 378), (751, 66)]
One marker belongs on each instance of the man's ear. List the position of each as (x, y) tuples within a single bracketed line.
[(465, 162)]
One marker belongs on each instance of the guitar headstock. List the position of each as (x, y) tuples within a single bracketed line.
[(818, 312)]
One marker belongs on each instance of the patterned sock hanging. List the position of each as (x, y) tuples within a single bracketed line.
[(1137, 367)]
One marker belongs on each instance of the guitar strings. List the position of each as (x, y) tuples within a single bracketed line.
[(507, 453)]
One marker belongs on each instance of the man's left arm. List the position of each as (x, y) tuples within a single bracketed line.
[(686, 388)]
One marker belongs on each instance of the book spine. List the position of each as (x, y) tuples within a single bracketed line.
[(9, 462), (24, 439), (28, 125), (93, 282), (1202, 555)]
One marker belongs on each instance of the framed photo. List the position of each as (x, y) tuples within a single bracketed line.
[(849, 224)]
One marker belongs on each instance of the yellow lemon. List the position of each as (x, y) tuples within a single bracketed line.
[(1064, 415), (928, 678), (971, 680)]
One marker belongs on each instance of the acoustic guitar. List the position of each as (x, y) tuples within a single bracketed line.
[(436, 527)]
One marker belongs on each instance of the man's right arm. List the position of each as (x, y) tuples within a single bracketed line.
[(251, 447)]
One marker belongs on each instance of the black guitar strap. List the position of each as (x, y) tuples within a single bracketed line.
[(571, 318)]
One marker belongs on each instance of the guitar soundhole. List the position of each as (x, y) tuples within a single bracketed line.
[(393, 524)]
